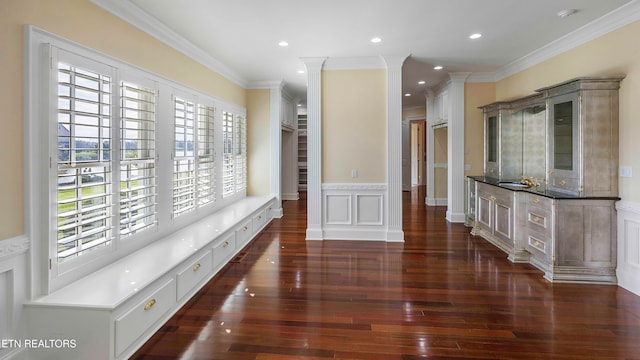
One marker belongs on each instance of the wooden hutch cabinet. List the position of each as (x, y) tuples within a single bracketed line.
[(564, 220)]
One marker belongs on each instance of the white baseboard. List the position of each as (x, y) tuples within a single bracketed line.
[(628, 270), (354, 234), (436, 201), (291, 197)]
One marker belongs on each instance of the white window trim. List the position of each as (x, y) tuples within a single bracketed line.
[(39, 206)]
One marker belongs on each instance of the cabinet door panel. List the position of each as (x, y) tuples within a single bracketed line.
[(503, 222), (484, 211)]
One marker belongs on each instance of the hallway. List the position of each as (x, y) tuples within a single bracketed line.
[(441, 294)]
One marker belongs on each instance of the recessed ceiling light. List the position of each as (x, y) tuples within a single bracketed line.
[(283, 43), (407, 94), (475, 36), (437, 67), (567, 12), (421, 82), (376, 40), (300, 71), (299, 104)]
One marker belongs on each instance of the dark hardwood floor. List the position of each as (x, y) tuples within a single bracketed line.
[(443, 294)]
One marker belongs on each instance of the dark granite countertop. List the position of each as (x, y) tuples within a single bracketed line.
[(539, 190)]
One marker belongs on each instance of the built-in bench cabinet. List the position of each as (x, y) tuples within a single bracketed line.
[(564, 142), (112, 312)]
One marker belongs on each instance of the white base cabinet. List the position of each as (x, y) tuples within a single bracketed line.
[(109, 314)]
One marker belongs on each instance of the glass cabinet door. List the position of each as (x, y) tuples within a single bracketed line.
[(564, 146), (563, 135), (492, 139)]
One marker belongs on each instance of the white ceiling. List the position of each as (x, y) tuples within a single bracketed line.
[(243, 35)]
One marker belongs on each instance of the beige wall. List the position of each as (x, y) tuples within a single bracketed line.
[(258, 145), (475, 94), (613, 54), (354, 126), (440, 176), (417, 111), (85, 23)]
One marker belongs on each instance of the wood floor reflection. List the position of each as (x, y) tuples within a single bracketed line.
[(443, 294)]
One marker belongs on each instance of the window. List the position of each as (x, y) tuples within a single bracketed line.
[(84, 196), (107, 177), (137, 158), (206, 155), (240, 152), (183, 157)]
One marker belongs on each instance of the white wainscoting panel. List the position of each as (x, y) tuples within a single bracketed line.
[(5, 304), (369, 209), (354, 211), (628, 270), (337, 210), (13, 293)]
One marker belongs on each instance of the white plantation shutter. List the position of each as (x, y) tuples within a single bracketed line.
[(184, 157), (228, 180), (84, 199), (137, 158), (206, 155), (240, 151)]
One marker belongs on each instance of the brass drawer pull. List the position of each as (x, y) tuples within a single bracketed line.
[(196, 267), (492, 198), (259, 217), (245, 228), (562, 183), (537, 219), (226, 243), (150, 304), (536, 201)]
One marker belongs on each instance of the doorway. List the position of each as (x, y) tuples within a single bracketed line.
[(418, 153)]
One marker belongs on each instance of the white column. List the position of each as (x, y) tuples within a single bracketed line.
[(394, 147), (314, 147), (431, 117), (455, 149), (275, 133)]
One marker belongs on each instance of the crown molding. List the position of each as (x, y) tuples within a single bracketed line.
[(614, 20), (354, 63), (482, 77), (267, 84), (135, 16)]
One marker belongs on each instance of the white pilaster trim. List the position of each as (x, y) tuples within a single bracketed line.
[(431, 118), (13, 246), (314, 146), (394, 147), (455, 149), (137, 17), (275, 134)]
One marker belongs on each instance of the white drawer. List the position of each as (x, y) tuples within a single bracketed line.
[(269, 212), (223, 250), (140, 317), (244, 233), (190, 276), (259, 220)]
